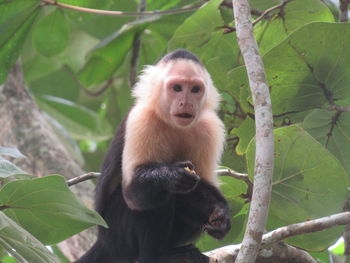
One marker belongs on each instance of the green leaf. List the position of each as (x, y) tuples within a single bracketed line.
[(10, 9), (321, 257), (81, 122), (339, 249), (331, 129), (9, 169), (47, 208), (51, 34), (295, 14), (8, 259), (198, 28), (312, 62), (21, 244), (200, 34), (104, 60), (245, 132), (308, 183), (58, 84), (101, 26), (13, 33), (264, 4), (12, 152)]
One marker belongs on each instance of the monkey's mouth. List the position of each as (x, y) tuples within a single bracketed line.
[(184, 115)]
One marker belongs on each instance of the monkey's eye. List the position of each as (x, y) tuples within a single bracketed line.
[(177, 88), (195, 89)]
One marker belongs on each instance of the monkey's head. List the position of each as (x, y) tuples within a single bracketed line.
[(179, 88)]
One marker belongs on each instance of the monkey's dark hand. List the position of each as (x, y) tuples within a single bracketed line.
[(219, 223), (182, 180)]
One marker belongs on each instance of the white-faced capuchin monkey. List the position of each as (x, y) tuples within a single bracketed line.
[(156, 206)]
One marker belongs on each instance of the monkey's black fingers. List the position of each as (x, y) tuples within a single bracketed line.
[(185, 164), (184, 182), (219, 223)]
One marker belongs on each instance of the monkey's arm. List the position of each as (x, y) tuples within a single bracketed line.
[(154, 183)]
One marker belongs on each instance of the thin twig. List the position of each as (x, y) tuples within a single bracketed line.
[(232, 173), (269, 10), (120, 13), (87, 91), (3, 207), (82, 178), (232, 139)]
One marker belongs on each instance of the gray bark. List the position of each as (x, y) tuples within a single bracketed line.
[(24, 126)]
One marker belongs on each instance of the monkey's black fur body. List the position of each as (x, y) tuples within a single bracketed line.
[(154, 235), (164, 229)]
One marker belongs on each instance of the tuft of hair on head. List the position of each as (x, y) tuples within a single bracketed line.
[(180, 54)]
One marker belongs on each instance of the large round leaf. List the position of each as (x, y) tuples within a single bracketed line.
[(109, 54), (198, 28), (47, 208), (295, 14), (331, 129), (199, 33), (51, 34), (306, 70), (308, 183), (14, 28)]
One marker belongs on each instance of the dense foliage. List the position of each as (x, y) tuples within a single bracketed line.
[(77, 66)]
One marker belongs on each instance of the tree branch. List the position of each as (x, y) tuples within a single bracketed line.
[(82, 178), (120, 13), (229, 253), (86, 90), (277, 253), (344, 10), (264, 133), (24, 126), (305, 227)]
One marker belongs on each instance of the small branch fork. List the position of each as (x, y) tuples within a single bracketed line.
[(119, 13), (91, 93), (240, 176), (264, 14)]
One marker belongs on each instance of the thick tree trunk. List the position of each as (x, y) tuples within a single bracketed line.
[(24, 126)]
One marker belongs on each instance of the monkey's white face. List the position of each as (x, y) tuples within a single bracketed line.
[(183, 94)]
